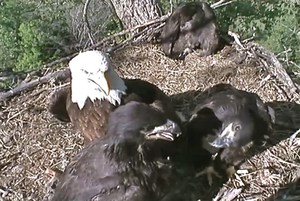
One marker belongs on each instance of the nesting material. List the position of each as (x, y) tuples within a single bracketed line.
[(31, 140)]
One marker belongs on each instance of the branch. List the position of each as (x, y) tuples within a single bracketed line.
[(47, 78), (112, 49), (87, 22), (8, 74), (59, 75), (159, 20), (58, 61), (68, 58), (236, 38), (270, 62), (4, 78)]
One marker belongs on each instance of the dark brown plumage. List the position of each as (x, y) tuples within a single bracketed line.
[(228, 123), (127, 164), (192, 25), (91, 119), (289, 192)]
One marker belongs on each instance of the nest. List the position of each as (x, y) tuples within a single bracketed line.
[(31, 140)]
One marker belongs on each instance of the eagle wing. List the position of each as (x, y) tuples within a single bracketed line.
[(92, 176), (226, 92), (222, 100), (262, 109)]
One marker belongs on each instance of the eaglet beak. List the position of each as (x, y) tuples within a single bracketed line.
[(226, 137), (168, 131)]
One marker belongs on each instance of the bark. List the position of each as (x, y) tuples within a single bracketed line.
[(136, 12)]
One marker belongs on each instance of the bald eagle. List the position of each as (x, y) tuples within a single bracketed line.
[(128, 163), (228, 123), (96, 90), (191, 26)]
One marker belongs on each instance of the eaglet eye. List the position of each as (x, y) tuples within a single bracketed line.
[(237, 128)]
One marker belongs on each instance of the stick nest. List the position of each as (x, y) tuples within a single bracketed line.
[(31, 140)]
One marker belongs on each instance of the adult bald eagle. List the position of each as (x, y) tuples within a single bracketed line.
[(192, 25), (228, 123), (127, 164), (96, 90)]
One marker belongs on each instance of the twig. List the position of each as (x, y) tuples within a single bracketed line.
[(236, 38), (284, 52), (112, 49), (262, 82), (281, 160), (87, 22), (3, 192), (58, 61), (218, 3), (292, 138), (227, 194), (248, 39), (17, 114), (291, 62), (221, 3)]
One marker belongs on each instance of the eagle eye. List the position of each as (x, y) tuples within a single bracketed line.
[(85, 71)]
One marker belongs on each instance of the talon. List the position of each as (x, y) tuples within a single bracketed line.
[(209, 171), (230, 171), (54, 175)]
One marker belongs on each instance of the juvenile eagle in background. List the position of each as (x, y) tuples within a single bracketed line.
[(127, 164), (192, 25), (228, 123), (96, 90)]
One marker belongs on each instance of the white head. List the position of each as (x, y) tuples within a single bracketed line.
[(93, 77)]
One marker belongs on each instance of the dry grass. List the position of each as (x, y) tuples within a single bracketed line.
[(32, 140)]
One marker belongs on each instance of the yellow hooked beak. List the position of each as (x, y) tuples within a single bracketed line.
[(102, 83), (106, 85)]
